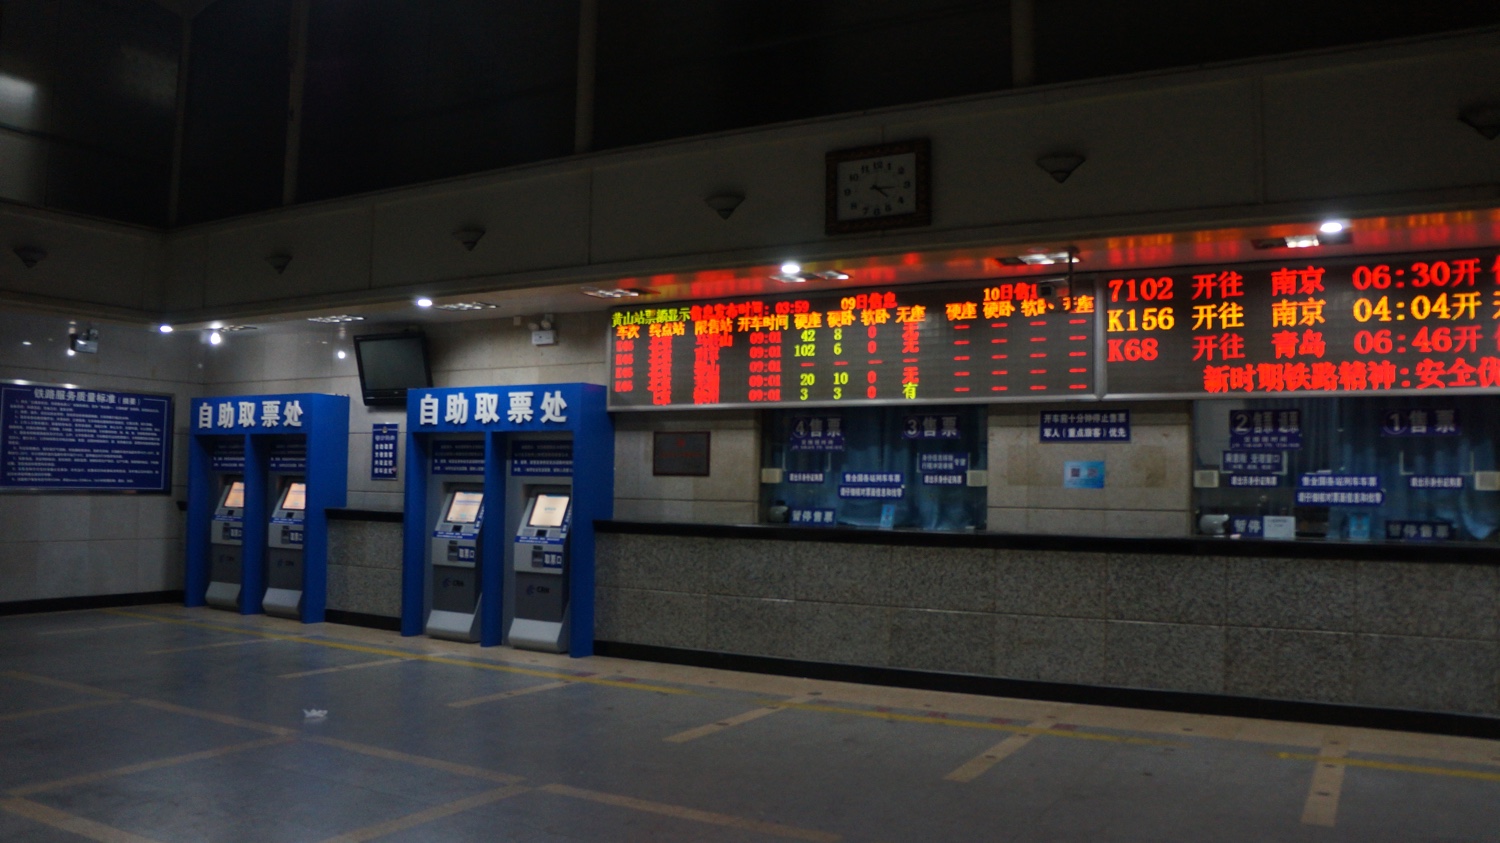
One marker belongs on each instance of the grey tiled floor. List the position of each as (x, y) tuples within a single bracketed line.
[(167, 724)]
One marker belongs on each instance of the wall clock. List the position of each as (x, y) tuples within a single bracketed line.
[(878, 187)]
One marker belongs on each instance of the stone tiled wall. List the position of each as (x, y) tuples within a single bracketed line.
[(364, 567), (1404, 635)]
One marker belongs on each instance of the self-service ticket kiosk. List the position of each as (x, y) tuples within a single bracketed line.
[(540, 561), (284, 553), (453, 560), (226, 546)]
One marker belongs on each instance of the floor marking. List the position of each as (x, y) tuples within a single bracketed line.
[(694, 814), (402, 654), (458, 806), (226, 719), (41, 712), (420, 760), (340, 668), (1322, 806), (975, 767), (519, 692), (729, 722), (978, 724), (70, 823), (82, 629), (209, 646), (144, 766), (61, 683), (1340, 761)]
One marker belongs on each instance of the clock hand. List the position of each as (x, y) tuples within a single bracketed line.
[(881, 189)]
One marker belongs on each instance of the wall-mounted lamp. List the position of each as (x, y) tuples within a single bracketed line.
[(543, 331), (30, 255), (1060, 165), (279, 262), (724, 203), (469, 237), (1484, 119)]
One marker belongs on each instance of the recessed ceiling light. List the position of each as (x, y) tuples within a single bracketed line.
[(1331, 227), (1301, 241), (25, 342), (424, 302), (165, 329), (465, 306), (215, 338), (335, 319), (1038, 259), (230, 329), (614, 293), (791, 268), (341, 354)]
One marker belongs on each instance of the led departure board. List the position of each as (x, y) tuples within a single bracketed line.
[(1352, 325), (978, 341)]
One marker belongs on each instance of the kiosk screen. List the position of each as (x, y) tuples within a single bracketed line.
[(548, 511), (465, 508), (296, 497), (235, 497)]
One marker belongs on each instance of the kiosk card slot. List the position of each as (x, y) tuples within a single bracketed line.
[(284, 551), (226, 546)]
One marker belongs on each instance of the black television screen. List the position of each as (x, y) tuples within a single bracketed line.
[(390, 364)]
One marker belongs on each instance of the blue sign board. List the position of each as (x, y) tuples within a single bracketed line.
[(817, 433), (458, 456), (804, 477), (1086, 426), (250, 414), (930, 427), (873, 484), (1252, 462), (1265, 430), (1339, 490), (1420, 422), (1083, 475), (383, 438), (1254, 481), (228, 456), (60, 438), (1435, 481), (550, 458)]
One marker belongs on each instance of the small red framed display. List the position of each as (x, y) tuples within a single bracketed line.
[(680, 454)]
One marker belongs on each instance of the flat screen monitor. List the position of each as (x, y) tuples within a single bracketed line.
[(235, 497), (295, 497), (389, 365), (465, 508), (548, 511)]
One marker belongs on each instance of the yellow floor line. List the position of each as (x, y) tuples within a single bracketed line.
[(457, 806), (730, 722), (685, 813), (340, 668), (980, 724), (89, 778), (401, 654), (976, 767), (209, 646), (226, 719), (1334, 760), (1322, 807), (70, 823), (419, 760), (82, 629), (519, 692), (61, 709), (61, 683)]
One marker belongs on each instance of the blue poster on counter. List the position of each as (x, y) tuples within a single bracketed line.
[(549, 458), (930, 427), (228, 456), (1083, 475), (289, 456), (383, 438), (69, 439), (817, 433), (1252, 462), (1420, 422), (458, 456)]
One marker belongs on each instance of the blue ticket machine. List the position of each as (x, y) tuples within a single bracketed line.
[(284, 549), (453, 562), (227, 544), (540, 562)]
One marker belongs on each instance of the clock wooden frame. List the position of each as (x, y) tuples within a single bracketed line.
[(922, 205)]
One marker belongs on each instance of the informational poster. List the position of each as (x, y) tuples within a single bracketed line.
[(547, 458), (383, 461), (289, 456), (1083, 475), (70, 439), (1086, 426), (458, 456)]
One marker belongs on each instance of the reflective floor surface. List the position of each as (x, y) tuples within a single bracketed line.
[(169, 724)]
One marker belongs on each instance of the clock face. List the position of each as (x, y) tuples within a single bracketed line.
[(881, 186)]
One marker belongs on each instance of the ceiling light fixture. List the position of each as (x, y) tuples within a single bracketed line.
[(1040, 258), (30, 255), (803, 277), (1484, 119), (336, 319), (616, 293), (341, 354), (724, 203), (469, 236), (279, 262), (215, 338), (424, 302), (1331, 227), (791, 268), (1060, 165), (164, 328), (466, 306)]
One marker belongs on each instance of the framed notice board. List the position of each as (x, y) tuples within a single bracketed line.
[(56, 438), (675, 454)]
